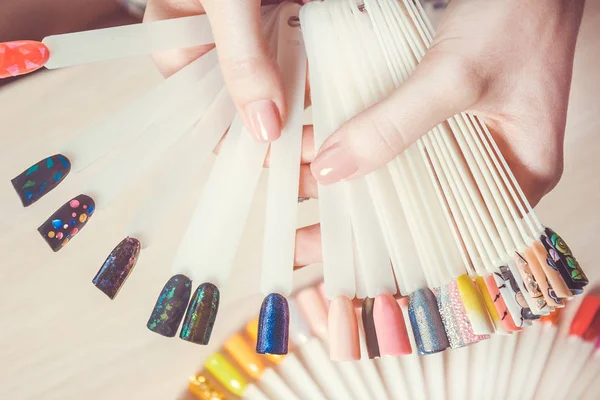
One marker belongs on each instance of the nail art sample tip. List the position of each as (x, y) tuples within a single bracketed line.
[(22, 57), (203, 389), (369, 327), (392, 335), (428, 328), (116, 268), (67, 221), (561, 258), (201, 314), (584, 317), (273, 325), (39, 179), (474, 305), (344, 344), (170, 306), (226, 373)]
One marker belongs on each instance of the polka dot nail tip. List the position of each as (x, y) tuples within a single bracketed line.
[(67, 221)]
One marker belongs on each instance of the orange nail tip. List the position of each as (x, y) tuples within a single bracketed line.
[(22, 57), (203, 389), (552, 318), (585, 316)]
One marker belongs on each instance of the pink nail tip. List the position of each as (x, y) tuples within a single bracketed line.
[(344, 342), (22, 57), (390, 327), (313, 309)]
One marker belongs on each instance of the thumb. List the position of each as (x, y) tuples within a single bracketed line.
[(442, 86)]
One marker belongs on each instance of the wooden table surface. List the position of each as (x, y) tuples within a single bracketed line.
[(63, 339)]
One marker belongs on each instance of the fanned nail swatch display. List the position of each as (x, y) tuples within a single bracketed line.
[(556, 358), (444, 225)]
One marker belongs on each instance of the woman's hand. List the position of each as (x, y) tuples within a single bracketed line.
[(507, 61)]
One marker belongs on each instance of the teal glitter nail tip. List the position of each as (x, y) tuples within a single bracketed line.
[(426, 322), (201, 314), (170, 306), (273, 325)]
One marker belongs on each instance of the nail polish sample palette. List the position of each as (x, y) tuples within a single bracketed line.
[(445, 224), (555, 358)]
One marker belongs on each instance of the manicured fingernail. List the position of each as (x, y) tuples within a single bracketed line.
[(313, 310), (226, 374), (117, 267), (491, 282), (426, 322), (201, 314), (332, 165), (589, 307), (541, 279), (299, 329), (264, 120), (252, 331), (390, 327), (369, 327), (565, 261), (513, 296), (203, 389), (170, 306), (22, 57), (530, 283), (491, 308), (550, 268), (344, 342), (474, 306), (273, 325), (454, 316), (39, 179), (67, 221), (239, 349)]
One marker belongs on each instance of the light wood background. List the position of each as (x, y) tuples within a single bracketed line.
[(60, 338)]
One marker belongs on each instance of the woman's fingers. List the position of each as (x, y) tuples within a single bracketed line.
[(308, 183), (308, 246)]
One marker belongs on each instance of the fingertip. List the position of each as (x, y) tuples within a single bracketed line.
[(264, 120)]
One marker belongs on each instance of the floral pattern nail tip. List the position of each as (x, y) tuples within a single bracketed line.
[(170, 306), (561, 259), (39, 179), (117, 267), (67, 221)]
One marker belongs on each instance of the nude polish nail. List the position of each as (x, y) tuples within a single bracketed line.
[(273, 325), (369, 328), (117, 267), (344, 342), (390, 327), (201, 314), (264, 120), (428, 328), (22, 57), (333, 165)]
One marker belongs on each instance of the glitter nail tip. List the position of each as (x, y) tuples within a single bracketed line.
[(201, 314), (67, 221), (344, 342), (474, 305), (39, 179), (118, 266), (390, 327), (454, 317), (22, 57), (426, 322), (273, 325), (170, 306), (561, 258), (369, 327), (203, 389)]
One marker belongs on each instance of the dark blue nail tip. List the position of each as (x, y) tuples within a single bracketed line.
[(201, 314), (273, 325), (117, 267), (428, 328), (170, 306), (39, 179)]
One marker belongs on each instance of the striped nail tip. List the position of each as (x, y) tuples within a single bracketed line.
[(170, 306), (39, 179), (273, 325), (203, 389), (390, 327), (226, 373), (561, 255), (22, 57), (474, 305), (344, 342), (585, 315), (117, 267), (551, 268), (67, 221), (454, 317), (426, 321), (369, 328), (201, 314)]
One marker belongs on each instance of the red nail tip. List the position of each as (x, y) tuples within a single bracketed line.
[(584, 318), (22, 57)]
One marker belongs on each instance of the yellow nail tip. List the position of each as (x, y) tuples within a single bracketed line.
[(474, 305), (226, 373)]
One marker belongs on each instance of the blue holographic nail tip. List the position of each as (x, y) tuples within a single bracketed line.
[(273, 325)]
